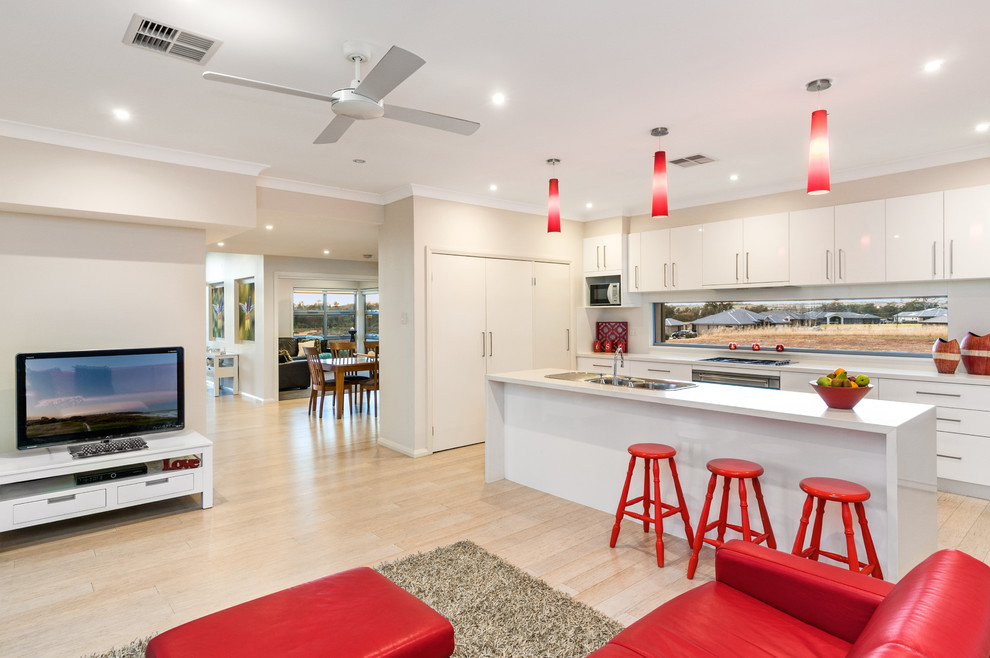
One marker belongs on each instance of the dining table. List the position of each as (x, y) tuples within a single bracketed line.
[(339, 367)]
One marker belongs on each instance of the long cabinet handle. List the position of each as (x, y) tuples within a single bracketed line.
[(61, 499), (949, 420), (665, 275), (949, 456), (840, 272), (952, 260), (747, 266), (636, 277), (567, 347), (656, 370), (828, 257), (483, 345), (605, 256), (944, 395), (935, 242), (491, 345), (737, 266), (673, 275)]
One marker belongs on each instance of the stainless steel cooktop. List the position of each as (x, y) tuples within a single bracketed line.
[(748, 361)]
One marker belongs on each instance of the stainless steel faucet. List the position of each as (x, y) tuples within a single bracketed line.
[(617, 360)]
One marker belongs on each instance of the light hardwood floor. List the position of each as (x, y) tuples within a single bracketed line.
[(298, 498)]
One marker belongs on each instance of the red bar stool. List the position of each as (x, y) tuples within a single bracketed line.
[(845, 492), (728, 469), (651, 453)]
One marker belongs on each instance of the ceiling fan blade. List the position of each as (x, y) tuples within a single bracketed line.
[(394, 67), (334, 130), (431, 120), (266, 86)]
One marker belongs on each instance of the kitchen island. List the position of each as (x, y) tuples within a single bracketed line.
[(569, 439)]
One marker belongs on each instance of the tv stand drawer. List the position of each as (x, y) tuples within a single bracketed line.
[(166, 485), (59, 506)]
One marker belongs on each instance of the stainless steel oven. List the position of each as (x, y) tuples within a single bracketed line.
[(752, 380)]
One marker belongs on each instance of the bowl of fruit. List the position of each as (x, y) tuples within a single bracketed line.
[(840, 390)]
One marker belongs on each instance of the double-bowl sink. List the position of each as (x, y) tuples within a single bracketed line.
[(622, 381)]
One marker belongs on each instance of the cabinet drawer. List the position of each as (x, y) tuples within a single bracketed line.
[(963, 458), (677, 371), (960, 396), (962, 421), (57, 506), (166, 485), (602, 364)]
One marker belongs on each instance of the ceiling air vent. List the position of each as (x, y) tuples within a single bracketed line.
[(692, 160), (169, 40)]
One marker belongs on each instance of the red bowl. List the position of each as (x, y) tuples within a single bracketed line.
[(840, 397)]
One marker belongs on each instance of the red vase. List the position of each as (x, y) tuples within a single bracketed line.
[(976, 353), (946, 355)]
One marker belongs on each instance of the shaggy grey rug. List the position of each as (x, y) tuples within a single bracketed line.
[(497, 610)]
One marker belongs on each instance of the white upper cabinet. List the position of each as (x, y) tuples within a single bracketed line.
[(665, 259), (685, 257), (721, 249), (648, 253), (914, 237), (752, 250), (603, 254), (859, 242), (967, 233), (812, 247)]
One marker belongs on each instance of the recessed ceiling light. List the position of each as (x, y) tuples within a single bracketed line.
[(268, 227), (982, 127), (734, 177), (589, 205), (219, 244), (493, 187), (326, 251), (121, 113), (498, 98), (933, 65), (358, 161)]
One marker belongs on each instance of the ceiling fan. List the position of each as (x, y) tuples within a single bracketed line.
[(363, 99)]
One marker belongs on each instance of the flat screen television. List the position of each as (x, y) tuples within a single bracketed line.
[(76, 397)]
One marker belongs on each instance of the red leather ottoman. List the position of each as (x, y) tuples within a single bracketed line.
[(358, 613)]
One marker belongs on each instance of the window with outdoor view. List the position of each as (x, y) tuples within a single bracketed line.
[(892, 325), (370, 314), (324, 313)]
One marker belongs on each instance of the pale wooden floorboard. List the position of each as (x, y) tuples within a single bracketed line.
[(298, 498)]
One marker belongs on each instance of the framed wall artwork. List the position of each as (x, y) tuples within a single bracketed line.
[(245, 310), (215, 311)]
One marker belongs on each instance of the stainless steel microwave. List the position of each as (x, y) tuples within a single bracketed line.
[(603, 294)]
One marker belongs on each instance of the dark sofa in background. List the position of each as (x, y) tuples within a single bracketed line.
[(293, 372)]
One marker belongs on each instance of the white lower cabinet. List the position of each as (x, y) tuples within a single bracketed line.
[(962, 424)]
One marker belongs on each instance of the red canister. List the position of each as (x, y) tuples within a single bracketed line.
[(607, 346), (597, 346)]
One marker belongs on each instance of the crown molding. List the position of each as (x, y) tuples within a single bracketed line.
[(32, 133), (316, 189)]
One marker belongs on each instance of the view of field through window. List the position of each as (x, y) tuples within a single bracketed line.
[(900, 325)]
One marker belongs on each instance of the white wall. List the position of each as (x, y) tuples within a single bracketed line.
[(229, 269), (84, 284)]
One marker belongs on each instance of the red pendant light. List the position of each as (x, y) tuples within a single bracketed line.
[(818, 165), (659, 177), (553, 203)]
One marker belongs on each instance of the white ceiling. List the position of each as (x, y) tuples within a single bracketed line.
[(584, 81)]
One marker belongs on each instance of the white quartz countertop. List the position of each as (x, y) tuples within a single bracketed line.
[(868, 415)]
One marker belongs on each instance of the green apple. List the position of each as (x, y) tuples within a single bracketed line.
[(862, 380), (824, 381)]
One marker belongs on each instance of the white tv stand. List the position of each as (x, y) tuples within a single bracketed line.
[(39, 486)]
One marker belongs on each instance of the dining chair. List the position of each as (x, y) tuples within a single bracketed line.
[(318, 383), (341, 349), (369, 387)]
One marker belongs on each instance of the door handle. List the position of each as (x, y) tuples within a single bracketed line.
[(491, 345), (482, 344), (952, 260), (605, 256), (673, 275), (747, 266), (598, 257), (828, 257), (737, 266), (636, 276), (567, 344), (842, 254), (933, 257), (665, 275)]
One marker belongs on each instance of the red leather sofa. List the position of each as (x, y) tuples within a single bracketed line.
[(770, 603)]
